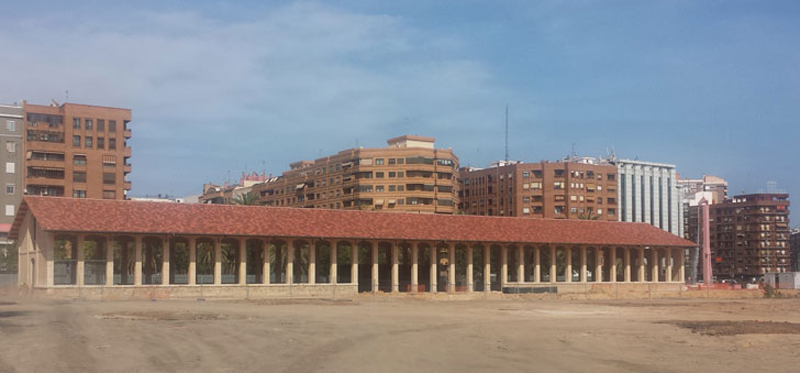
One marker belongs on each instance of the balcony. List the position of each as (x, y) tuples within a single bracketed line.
[(126, 168), (128, 152), (127, 133), (126, 185)]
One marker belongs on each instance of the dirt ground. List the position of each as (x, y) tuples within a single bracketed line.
[(385, 334)]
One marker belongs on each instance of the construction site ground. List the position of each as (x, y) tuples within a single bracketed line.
[(400, 334)]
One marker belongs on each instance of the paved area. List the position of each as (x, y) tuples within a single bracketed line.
[(385, 334)]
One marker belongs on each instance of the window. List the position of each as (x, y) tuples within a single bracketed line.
[(79, 160), (401, 188), (392, 161), (558, 185), (109, 178), (79, 176), (559, 173), (101, 125), (392, 188), (112, 126), (78, 193), (11, 147), (526, 174), (379, 161), (536, 186), (379, 188), (76, 141), (9, 210), (101, 143), (89, 142), (379, 175), (559, 210), (392, 174), (537, 209), (10, 167), (611, 176), (109, 194), (76, 123), (11, 126), (112, 144), (10, 188), (612, 212), (88, 124), (526, 199)]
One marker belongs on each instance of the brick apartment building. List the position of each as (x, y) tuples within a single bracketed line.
[(408, 175), (750, 236), (11, 126), (569, 189), (77, 150)]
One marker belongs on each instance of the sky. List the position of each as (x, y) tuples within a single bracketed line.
[(218, 88)]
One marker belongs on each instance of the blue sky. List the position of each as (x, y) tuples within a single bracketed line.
[(218, 88)]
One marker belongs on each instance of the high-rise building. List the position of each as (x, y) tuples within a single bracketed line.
[(794, 247), (11, 125), (648, 192), (567, 189), (714, 190), (77, 151), (750, 236), (411, 174)]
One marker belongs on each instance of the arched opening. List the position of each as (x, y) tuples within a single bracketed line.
[(344, 262), (478, 265), (94, 260), (254, 252), (178, 261), (495, 262), (364, 266), (229, 260), (204, 261), (65, 260), (323, 262), (152, 260), (278, 258), (124, 260)]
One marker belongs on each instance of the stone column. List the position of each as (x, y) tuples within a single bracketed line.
[(266, 264), (568, 269), (415, 268), (434, 273), (553, 259), (654, 267), (470, 282), (137, 267), (109, 261), (312, 262), (642, 277), (165, 262), (395, 269), (375, 267), (668, 271), (217, 261), (487, 269), (334, 271), (79, 266), (451, 268), (503, 266), (682, 265), (598, 264), (537, 265), (290, 261), (521, 264), (612, 268), (584, 264), (627, 259), (192, 273), (242, 261), (354, 263)]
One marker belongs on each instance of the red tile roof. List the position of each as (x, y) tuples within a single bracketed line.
[(110, 216)]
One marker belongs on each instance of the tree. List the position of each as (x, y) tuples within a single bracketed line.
[(246, 199), (589, 216)]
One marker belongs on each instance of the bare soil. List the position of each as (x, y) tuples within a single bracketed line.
[(390, 334)]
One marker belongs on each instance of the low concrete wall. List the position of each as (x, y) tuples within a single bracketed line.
[(321, 291)]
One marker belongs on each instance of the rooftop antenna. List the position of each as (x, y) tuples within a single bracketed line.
[(506, 133), (574, 151), (67, 96)]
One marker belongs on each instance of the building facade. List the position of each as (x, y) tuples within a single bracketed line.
[(77, 151), (648, 192), (794, 244), (555, 190), (409, 175), (750, 236), (714, 190), (11, 125), (175, 250), (228, 194)]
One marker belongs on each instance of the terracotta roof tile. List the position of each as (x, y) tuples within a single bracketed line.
[(109, 216)]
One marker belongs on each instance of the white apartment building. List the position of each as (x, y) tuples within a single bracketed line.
[(648, 192)]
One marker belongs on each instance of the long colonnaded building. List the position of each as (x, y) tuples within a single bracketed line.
[(127, 249)]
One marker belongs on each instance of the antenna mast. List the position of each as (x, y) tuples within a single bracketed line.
[(506, 133)]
